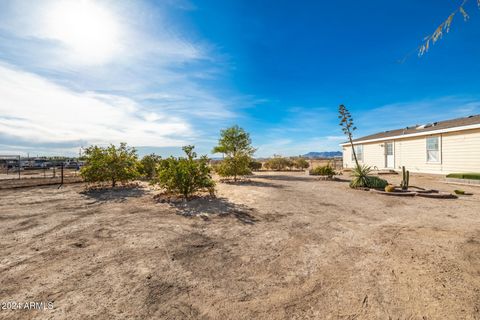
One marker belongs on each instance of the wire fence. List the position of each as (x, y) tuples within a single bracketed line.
[(17, 172)]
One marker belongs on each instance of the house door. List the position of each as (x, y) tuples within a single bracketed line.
[(389, 156)]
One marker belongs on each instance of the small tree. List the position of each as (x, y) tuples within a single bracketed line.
[(114, 164), (185, 175), (148, 165), (346, 122), (235, 144), (301, 163)]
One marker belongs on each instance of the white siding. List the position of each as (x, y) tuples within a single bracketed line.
[(373, 155), (460, 152)]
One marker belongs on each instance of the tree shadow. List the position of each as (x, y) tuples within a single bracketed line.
[(118, 194), (286, 178), (254, 183), (206, 206), (299, 178)]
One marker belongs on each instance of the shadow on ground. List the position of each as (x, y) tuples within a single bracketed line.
[(299, 178), (207, 207), (254, 183), (118, 194)]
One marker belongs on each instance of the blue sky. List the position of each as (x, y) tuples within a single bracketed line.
[(162, 74)]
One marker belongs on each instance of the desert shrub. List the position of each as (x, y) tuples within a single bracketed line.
[(185, 175), (327, 171), (255, 165), (301, 163), (360, 174), (236, 145), (234, 167), (148, 166), (113, 164), (376, 182), (279, 163), (362, 179)]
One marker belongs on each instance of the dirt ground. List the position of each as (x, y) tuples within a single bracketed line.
[(282, 246)]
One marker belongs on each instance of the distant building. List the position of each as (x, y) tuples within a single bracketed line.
[(439, 147)]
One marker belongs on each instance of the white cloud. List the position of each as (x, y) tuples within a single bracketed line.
[(91, 33), (36, 110), (144, 85)]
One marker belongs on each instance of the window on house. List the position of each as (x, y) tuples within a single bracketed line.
[(433, 149), (359, 152)]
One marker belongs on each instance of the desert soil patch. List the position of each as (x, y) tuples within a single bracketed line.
[(282, 246)]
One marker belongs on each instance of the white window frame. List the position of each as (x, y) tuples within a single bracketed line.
[(356, 147), (439, 137)]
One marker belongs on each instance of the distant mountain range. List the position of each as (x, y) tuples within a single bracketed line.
[(324, 154)]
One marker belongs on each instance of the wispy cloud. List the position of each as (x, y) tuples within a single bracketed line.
[(36, 110), (144, 85)]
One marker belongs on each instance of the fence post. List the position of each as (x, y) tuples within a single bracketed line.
[(62, 174), (19, 165)]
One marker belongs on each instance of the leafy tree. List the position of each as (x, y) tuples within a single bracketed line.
[(236, 145), (114, 164), (234, 166), (148, 165), (185, 175)]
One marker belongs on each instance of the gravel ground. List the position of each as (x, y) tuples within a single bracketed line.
[(281, 246)]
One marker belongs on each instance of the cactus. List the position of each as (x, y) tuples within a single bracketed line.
[(405, 179)]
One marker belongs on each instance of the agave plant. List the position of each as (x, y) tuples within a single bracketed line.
[(360, 176), (361, 179)]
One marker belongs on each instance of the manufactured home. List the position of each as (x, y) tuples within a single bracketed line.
[(440, 147)]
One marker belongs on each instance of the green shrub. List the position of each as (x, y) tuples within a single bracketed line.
[(470, 175), (234, 167), (360, 174), (376, 182), (301, 163), (113, 164), (236, 146), (148, 166), (362, 179), (323, 171), (255, 165), (185, 175), (279, 163)]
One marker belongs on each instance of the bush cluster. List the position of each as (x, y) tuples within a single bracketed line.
[(327, 171), (280, 163), (113, 164), (185, 175)]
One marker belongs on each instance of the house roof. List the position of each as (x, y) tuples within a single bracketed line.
[(425, 129)]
